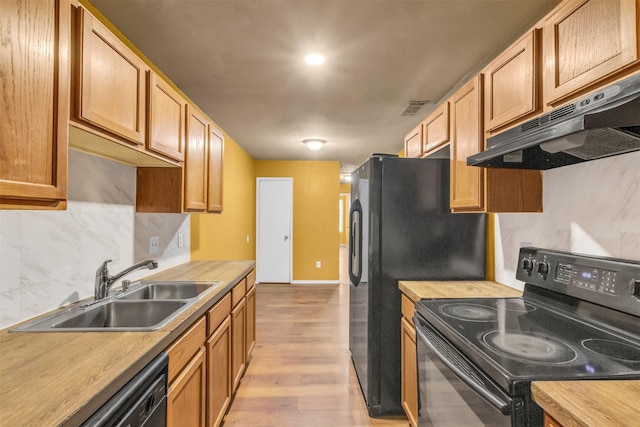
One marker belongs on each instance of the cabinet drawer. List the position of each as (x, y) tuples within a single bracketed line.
[(408, 308), (251, 280), (183, 349), (238, 292), (217, 314)]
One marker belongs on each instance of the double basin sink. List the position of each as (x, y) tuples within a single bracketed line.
[(145, 306)]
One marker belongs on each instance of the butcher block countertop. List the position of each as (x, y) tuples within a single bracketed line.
[(589, 403), (457, 289), (62, 378), (571, 403)]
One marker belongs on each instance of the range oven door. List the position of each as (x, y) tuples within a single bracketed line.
[(453, 392)]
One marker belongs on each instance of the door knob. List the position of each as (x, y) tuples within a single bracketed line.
[(286, 238)]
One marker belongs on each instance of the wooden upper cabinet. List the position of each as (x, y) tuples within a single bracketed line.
[(586, 41), (195, 168), (413, 142), (166, 119), (34, 100), (111, 82), (436, 129), (511, 83), (215, 180), (467, 182)]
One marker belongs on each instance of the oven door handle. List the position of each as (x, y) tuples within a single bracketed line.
[(500, 402)]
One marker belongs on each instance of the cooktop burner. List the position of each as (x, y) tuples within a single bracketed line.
[(470, 312), (529, 347), (483, 313), (614, 349)]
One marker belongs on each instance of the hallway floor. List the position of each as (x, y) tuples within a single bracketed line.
[(301, 373)]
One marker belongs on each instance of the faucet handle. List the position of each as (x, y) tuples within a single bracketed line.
[(103, 269)]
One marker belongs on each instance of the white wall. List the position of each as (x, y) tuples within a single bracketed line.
[(49, 258), (590, 208)]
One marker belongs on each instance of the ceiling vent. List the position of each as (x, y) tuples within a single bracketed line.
[(412, 108)]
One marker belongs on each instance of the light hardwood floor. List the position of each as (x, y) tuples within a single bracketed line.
[(301, 373)]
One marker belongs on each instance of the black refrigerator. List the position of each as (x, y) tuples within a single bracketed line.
[(401, 228)]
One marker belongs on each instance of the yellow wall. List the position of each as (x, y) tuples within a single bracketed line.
[(224, 236), (316, 191)]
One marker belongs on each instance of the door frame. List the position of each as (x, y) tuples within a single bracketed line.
[(258, 181)]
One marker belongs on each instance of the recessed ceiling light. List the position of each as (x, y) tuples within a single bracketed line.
[(314, 59), (314, 144)]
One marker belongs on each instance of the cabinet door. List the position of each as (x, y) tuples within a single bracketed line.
[(467, 182), (436, 128), (238, 352), (219, 373), (413, 142), (216, 156), (195, 167), (166, 115), (585, 41), (409, 372), (111, 82), (186, 398), (510, 83), (251, 321), (34, 100)]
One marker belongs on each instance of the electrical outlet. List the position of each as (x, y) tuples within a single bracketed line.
[(154, 244), (318, 264), (180, 240)]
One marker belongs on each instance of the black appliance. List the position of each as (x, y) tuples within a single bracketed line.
[(602, 124), (401, 229), (577, 319), (142, 402)]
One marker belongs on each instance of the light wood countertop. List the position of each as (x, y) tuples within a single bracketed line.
[(456, 289), (61, 378), (589, 403)]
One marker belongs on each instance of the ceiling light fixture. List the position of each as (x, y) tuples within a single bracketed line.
[(314, 59), (314, 144)]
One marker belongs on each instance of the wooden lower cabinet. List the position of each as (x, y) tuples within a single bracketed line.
[(208, 360), (186, 399), (219, 373), (238, 352), (250, 336), (409, 372)]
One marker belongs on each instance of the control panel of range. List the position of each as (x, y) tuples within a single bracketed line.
[(610, 282), (582, 276)]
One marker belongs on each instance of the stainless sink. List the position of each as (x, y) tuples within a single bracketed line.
[(123, 314), (168, 290), (145, 306)]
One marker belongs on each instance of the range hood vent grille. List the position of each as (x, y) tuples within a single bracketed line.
[(601, 124)]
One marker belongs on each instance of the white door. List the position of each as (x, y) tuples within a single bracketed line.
[(273, 229)]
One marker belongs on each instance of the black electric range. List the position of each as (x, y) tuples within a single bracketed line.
[(578, 318)]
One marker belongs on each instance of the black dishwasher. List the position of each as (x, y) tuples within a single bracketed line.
[(141, 402)]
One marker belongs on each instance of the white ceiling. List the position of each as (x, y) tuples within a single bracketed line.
[(242, 63)]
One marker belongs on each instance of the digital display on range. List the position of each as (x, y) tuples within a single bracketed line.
[(585, 277)]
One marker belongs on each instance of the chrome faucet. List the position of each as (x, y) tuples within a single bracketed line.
[(104, 281)]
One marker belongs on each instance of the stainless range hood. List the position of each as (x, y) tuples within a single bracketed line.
[(602, 124)]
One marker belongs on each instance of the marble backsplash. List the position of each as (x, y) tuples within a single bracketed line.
[(591, 208), (48, 258)]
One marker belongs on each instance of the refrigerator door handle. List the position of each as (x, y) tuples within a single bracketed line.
[(355, 242)]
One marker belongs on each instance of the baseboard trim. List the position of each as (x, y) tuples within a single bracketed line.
[(315, 282)]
